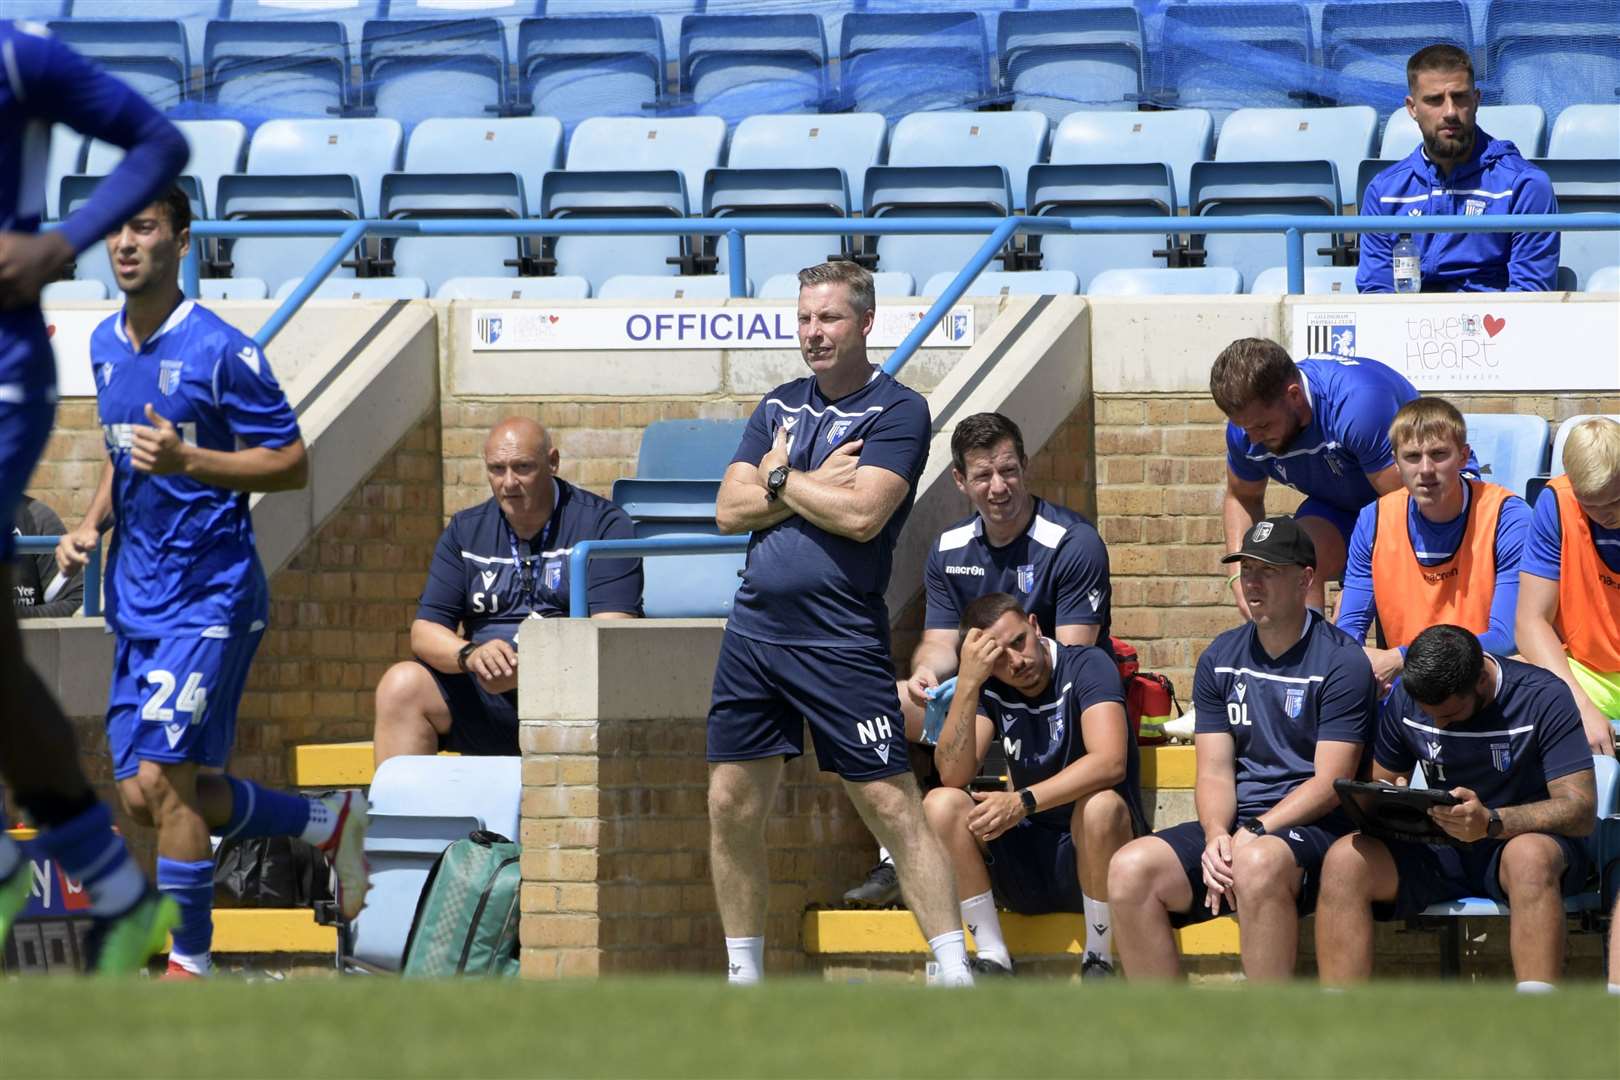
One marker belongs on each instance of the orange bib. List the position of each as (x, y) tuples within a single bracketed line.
[(1411, 597), (1588, 591)]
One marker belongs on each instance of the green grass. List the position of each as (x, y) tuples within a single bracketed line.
[(792, 1028)]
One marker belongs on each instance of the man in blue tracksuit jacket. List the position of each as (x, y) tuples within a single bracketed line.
[(1459, 169)]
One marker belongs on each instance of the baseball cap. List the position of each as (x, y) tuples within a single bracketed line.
[(1277, 540)]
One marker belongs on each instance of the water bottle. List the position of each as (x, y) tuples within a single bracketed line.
[(1408, 274)]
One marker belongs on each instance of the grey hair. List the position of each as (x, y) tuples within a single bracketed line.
[(853, 276)]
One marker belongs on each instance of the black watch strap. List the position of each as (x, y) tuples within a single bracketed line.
[(1493, 824), (1254, 825), (466, 651), (1027, 797)]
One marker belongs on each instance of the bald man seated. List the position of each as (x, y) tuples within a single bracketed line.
[(497, 564)]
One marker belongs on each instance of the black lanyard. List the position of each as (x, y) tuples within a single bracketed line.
[(524, 564)]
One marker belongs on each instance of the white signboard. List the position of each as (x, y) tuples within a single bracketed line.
[(532, 329), (1472, 346), (70, 340)]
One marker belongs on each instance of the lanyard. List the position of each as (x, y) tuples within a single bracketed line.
[(524, 564)]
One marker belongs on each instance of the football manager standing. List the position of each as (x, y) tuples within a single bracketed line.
[(824, 478)]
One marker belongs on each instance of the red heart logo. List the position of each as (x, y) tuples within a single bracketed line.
[(553, 318), (50, 331), (1493, 325)]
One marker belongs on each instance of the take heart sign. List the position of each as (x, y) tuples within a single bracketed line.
[(1493, 325)]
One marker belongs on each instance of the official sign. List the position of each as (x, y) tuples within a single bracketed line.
[(575, 329), (1472, 345)]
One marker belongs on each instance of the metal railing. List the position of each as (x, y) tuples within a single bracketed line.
[(579, 580), (46, 545)]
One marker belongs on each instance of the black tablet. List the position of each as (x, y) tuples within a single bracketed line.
[(1394, 813)]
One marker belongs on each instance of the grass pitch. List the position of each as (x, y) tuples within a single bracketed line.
[(689, 1027)]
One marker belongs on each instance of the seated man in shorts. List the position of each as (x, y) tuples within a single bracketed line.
[(1284, 706), (496, 564), (1505, 739), (1076, 797)]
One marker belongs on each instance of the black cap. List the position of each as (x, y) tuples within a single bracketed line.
[(1277, 540)]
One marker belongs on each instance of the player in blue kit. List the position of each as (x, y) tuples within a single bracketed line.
[(1076, 796), (824, 478), (42, 82), (193, 421), (1284, 706), (1320, 426), (1504, 738)]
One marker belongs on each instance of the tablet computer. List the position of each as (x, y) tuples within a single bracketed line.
[(1395, 813)]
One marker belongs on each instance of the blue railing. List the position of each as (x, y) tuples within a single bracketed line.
[(579, 580), (46, 545)]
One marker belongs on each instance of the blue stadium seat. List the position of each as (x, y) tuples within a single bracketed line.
[(243, 288), (509, 13), (1015, 140), (192, 15), (525, 288), (380, 288), (852, 142), (900, 191), (688, 449), (664, 287), (1555, 464), (582, 67), (1057, 61), (529, 146), (37, 10), (1604, 279), (353, 14), (269, 197), (1549, 69), (1586, 131), (1365, 172), (742, 65), (894, 63), (1319, 281), (93, 264), (441, 196), (680, 586), (86, 289), (820, 193), (150, 55), (616, 193), (413, 69), (690, 144), (363, 148), (216, 151), (1176, 138), (1586, 186), (1005, 283), (1522, 125), (1244, 188), (893, 285), (419, 806), (1343, 136), (1510, 448), (1142, 189), (667, 14), (1235, 55), (66, 159), (1188, 281), (262, 69), (1365, 45)]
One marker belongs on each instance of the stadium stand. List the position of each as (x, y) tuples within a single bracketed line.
[(380, 288), (362, 148), (1510, 449), (441, 196), (1522, 125), (1228, 56), (1005, 283), (1319, 280), (1606, 279), (1205, 279), (74, 290), (887, 286), (577, 68), (656, 287), (1055, 61), (1015, 141), (852, 142), (262, 68), (1244, 188), (561, 287), (810, 192), (216, 150), (412, 70), (1583, 186), (899, 62), (641, 193), (1138, 189), (1176, 139), (740, 65), (1586, 131), (66, 159), (932, 191), (233, 288), (691, 145), (1343, 136), (1365, 45), (270, 197)]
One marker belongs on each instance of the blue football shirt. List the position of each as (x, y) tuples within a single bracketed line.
[(804, 585), (487, 579), (182, 560), (1278, 709), (1506, 753), (1543, 549), (1057, 568)]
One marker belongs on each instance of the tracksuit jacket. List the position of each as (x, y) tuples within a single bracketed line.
[(1495, 180)]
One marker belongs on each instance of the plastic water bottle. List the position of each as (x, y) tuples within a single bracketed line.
[(1408, 274)]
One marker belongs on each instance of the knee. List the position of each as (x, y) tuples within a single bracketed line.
[(730, 805), (399, 690), (946, 810), (1264, 868), (1101, 818), (134, 800), (1531, 864), (1130, 873), (1344, 871), (164, 790)]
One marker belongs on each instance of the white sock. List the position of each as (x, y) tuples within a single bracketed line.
[(321, 825), (950, 949), (10, 856), (884, 856), (979, 913), (1534, 986), (1099, 928), (745, 960), (118, 891), (197, 965), (1614, 988)]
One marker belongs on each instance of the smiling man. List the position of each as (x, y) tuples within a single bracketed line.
[(1442, 549), (1458, 169)]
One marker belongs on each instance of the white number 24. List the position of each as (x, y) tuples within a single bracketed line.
[(193, 697)]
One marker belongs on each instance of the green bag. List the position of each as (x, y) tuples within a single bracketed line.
[(466, 920)]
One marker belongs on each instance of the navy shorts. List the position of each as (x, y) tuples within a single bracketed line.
[(1307, 843), (764, 694), (481, 724), (1433, 873), (1032, 870), (175, 699), (24, 427), (1343, 520)]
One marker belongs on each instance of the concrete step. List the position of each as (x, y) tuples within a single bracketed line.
[(889, 933)]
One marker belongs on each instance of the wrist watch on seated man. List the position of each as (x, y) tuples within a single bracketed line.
[(461, 656)]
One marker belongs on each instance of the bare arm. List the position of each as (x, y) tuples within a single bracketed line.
[(1242, 507), (158, 449), (1385, 480), (1101, 766), (73, 549), (741, 505), (1540, 644), (436, 646), (966, 733), (1570, 809), (1215, 789), (1315, 797), (937, 653), (858, 512), (1078, 634)]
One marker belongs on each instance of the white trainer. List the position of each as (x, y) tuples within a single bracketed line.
[(346, 851)]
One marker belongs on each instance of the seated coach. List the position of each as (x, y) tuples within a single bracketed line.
[(497, 564)]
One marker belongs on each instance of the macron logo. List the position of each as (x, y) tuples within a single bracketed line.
[(970, 571)]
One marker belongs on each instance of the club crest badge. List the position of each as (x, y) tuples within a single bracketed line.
[(169, 375)]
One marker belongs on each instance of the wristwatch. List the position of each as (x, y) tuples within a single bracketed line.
[(466, 651), (1254, 825), (1493, 826), (774, 482), (1027, 797)]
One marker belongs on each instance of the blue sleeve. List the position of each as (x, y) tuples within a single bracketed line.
[(254, 404), (1364, 432), (1511, 527), (443, 596), (1209, 705), (615, 583), (1081, 570), (1356, 604), (1096, 682), (1349, 700), (1389, 749), (65, 88), (756, 440), (1241, 467), (1559, 734), (1373, 272), (1533, 256), (898, 440), (1543, 549), (942, 612)]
